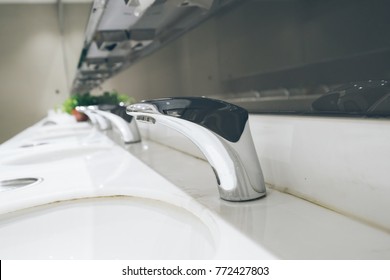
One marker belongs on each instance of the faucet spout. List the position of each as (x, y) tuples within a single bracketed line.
[(221, 131), (116, 115), (97, 120)]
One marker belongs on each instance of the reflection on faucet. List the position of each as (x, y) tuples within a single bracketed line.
[(116, 115), (221, 131)]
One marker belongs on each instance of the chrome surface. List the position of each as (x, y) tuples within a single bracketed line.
[(128, 130), (97, 120), (236, 166)]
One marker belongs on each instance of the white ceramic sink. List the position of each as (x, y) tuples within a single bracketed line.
[(47, 154), (59, 135), (98, 201), (105, 228), (41, 135), (40, 144)]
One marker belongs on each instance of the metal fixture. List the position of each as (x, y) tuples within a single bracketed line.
[(129, 30), (97, 120), (116, 115), (221, 131)]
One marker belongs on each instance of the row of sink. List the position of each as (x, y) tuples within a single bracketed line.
[(68, 191)]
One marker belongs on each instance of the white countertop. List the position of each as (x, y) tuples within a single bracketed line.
[(289, 227), (90, 165)]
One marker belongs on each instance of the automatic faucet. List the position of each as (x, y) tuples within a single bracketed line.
[(116, 115), (221, 131), (97, 120)]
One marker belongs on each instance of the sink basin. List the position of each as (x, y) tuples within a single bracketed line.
[(50, 155), (99, 202), (42, 136), (60, 134), (105, 228)]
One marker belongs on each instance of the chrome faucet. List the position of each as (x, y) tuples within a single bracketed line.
[(221, 131), (116, 116), (99, 121)]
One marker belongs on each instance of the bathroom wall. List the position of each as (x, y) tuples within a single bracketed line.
[(267, 44), (256, 45), (188, 66), (35, 72)]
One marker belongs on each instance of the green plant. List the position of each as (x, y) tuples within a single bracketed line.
[(114, 98), (86, 99)]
